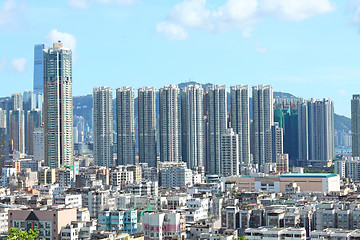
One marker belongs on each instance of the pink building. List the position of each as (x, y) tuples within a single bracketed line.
[(158, 225), (49, 222)]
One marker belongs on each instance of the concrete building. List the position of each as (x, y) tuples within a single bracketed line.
[(68, 201), (160, 225), (121, 176), (192, 124), (38, 144), (240, 120), (4, 147), (321, 132), (49, 222), (170, 124), (230, 150), (303, 132), (175, 175), (147, 126), (47, 176), (143, 188), (103, 126), (275, 233), (118, 220), (33, 122), (263, 119), (216, 115), (125, 119), (17, 130), (312, 182), (276, 141), (58, 106), (65, 177), (355, 125)]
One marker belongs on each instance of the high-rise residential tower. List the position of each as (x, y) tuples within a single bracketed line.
[(17, 101), (103, 126), (125, 119), (4, 146), (321, 131), (263, 119), (192, 124), (17, 130), (303, 132), (3, 120), (216, 113), (240, 122), (277, 141), (169, 120), (58, 106), (38, 143), (230, 153), (355, 125), (147, 126), (38, 68), (33, 122)]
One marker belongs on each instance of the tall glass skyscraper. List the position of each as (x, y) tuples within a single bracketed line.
[(38, 68), (58, 106)]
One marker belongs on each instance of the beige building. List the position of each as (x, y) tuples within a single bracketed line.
[(307, 182), (49, 222)]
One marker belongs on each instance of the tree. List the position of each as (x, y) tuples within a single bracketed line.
[(19, 234), (240, 238)]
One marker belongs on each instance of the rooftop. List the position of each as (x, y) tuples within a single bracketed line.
[(308, 175)]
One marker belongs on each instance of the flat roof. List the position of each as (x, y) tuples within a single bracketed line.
[(308, 175)]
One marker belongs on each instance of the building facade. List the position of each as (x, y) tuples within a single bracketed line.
[(263, 119), (170, 125), (125, 119), (192, 124), (103, 126), (240, 121), (216, 112), (58, 106), (147, 126)]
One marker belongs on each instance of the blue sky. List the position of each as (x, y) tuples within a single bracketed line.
[(309, 48)]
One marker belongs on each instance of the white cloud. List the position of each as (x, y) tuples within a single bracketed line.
[(260, 49), (68, 40), (10, 11), (241, 14), (296, 10), (19, 64), (192, 13), (172, 31), (82, 4), (354, 10)]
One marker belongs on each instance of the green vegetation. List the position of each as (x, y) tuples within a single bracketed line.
[(240, 238), (306, 170), (19, 234)]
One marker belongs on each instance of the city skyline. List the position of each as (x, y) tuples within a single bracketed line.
[(296, 51)]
